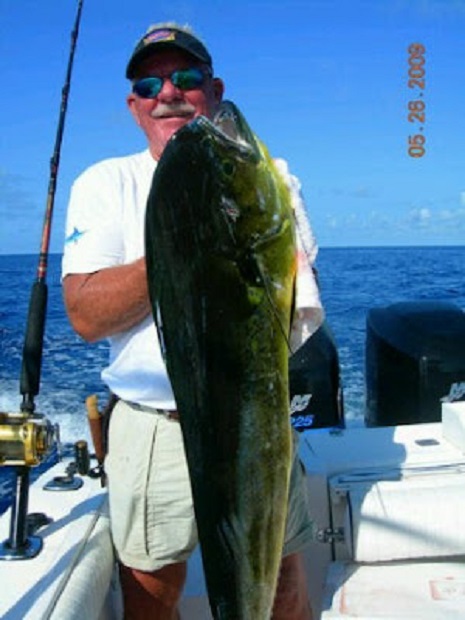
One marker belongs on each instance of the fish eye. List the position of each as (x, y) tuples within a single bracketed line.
[(228, 168)]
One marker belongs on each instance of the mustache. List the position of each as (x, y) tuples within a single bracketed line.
[(173, 109)]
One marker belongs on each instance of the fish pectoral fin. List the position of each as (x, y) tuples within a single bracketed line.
[(258, 284)]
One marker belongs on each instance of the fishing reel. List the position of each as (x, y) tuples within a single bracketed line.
[(25, 439)]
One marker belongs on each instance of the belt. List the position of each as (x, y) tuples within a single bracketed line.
[(171, 414)]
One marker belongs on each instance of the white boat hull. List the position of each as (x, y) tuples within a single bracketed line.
[(350, 575)]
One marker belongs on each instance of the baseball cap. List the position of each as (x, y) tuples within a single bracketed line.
[(160, 36)]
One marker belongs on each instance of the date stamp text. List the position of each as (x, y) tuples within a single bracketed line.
[(417, 104)]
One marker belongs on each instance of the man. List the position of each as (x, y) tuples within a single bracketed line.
[(106, 296)]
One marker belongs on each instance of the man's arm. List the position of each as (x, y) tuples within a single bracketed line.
[(108, 301)]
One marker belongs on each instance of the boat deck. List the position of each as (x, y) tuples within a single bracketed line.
[(74, 575)]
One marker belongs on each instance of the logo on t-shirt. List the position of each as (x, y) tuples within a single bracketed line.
[(75, 236)]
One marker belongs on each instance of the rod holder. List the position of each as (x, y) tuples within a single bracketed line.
[(20, 546)]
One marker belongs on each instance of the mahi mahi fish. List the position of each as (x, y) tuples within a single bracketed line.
[(221, 261)]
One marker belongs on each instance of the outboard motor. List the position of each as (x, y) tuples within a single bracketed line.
[(415, 360), (314, 383)]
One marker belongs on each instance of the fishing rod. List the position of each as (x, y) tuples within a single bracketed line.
[(26, 438), (33, 343)]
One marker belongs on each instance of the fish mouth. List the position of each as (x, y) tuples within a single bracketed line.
[(230, 127)]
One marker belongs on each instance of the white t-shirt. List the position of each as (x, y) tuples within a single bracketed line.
[(105, 228)]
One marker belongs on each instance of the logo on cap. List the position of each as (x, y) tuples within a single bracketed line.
[(160, 35)]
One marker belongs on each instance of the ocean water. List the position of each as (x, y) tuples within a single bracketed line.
[(352, 280)]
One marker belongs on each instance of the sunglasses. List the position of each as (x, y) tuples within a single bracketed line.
[(184, 79)]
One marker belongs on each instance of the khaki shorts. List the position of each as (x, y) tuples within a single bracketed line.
[(152, 516)]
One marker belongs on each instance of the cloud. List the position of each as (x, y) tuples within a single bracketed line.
[(418, 225), (420, 218), (360, 191), (439, 220)]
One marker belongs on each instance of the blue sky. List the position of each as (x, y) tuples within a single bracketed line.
[(324, 83)]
